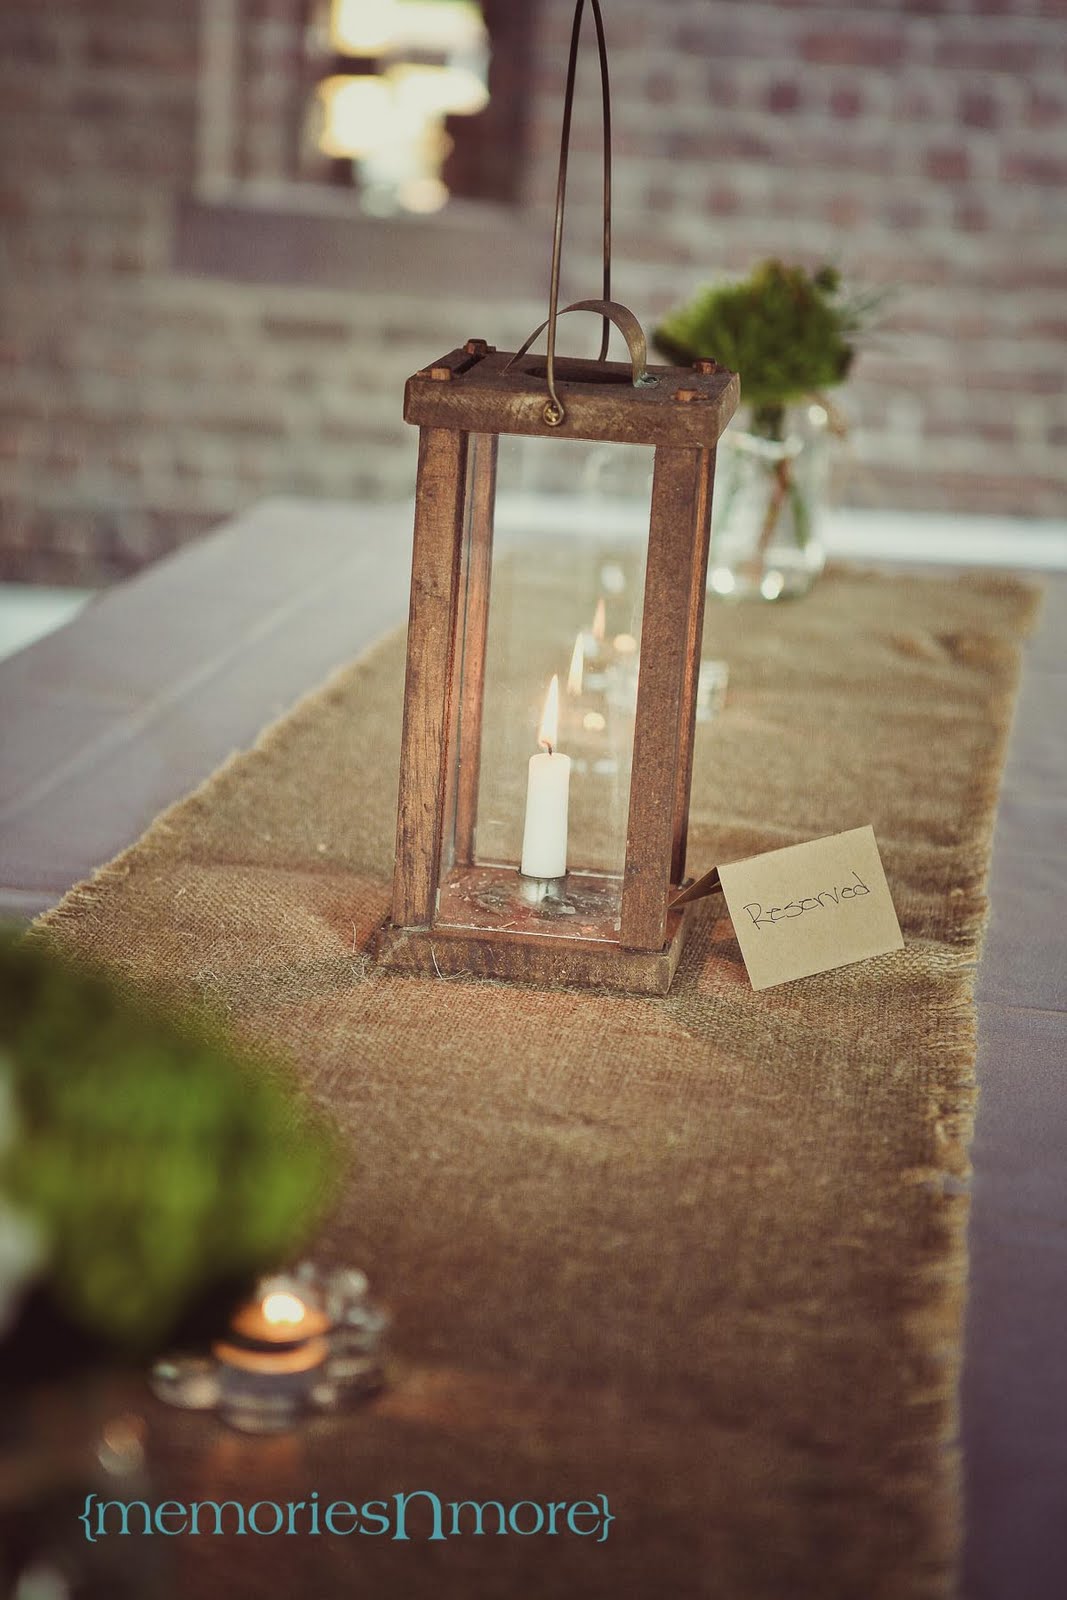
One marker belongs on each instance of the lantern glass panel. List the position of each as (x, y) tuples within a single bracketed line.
[(565, 601)]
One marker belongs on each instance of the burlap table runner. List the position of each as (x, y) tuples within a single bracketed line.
[(703, 1254)]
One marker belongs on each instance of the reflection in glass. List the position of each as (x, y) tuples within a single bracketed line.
[(567, 579)]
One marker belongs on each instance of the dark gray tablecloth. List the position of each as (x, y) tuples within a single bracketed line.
[(130, 706)]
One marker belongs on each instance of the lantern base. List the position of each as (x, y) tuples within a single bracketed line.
[(487, 928)]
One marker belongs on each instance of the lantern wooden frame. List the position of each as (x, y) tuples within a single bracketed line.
[(462, 404)]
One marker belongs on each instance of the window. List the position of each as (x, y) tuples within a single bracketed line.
[(404, 103), (400, 70)]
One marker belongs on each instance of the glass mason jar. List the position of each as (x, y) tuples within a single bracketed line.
[(767, 506)]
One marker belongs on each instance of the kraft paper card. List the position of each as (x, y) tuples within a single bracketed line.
[(811, 907)]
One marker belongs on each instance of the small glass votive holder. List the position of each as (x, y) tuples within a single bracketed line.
[(268, 1391), (357, 1329), (305, 1341), (187, 1381)]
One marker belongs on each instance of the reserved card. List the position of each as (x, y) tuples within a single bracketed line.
[(811, 907)]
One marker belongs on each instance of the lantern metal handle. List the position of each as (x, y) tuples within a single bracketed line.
[(612, 313), (554, 411)]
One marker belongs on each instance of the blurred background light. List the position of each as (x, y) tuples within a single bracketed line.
[(414, 63)]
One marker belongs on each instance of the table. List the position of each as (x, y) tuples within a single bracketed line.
[(139, 699)]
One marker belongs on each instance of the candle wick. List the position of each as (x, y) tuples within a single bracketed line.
[(546, 745)]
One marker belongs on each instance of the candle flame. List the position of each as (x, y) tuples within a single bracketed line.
[(576, 674), (600, 621), (548, 732), (283, 1307)]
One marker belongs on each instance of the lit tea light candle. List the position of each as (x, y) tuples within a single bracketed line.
[(271, 1360), (544, 839), (306, 1342), (277, 1318)]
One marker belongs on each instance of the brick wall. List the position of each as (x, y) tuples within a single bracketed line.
[(922, 145)]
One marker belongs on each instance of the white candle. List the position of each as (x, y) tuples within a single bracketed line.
[(544, 839), (576, 675)]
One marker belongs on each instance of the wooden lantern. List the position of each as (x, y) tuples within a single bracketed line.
[(452, 912), (443, 916)]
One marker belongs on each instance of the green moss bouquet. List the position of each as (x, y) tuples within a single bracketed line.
[(790, 335), (787, 332), (149, 1159)]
